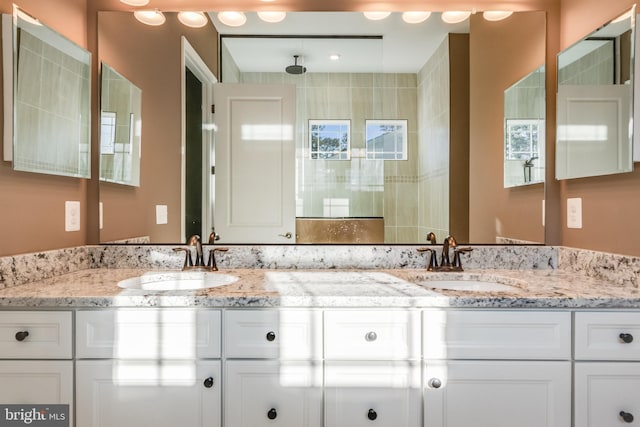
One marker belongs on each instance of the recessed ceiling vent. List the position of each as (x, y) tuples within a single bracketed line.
[(295, 68)]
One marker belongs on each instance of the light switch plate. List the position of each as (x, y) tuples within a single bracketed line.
[(71, 216), (574, 212), (161, 214)]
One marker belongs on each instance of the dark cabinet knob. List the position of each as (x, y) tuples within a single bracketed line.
[(272, 414), (271, 336), (20, 336), (626, 338), (626, 417), (372, 415), (208, 383)]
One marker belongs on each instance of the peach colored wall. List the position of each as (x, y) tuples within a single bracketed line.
[(610, 204), (150, 58), (501, 54), (32, 205)]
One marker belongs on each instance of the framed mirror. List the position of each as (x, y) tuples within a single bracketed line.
[(47, 109), (120, 128), (595, 102), (415, 195), (524, 130)]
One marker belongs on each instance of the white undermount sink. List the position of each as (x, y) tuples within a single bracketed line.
[(468, 285), (177, 281)]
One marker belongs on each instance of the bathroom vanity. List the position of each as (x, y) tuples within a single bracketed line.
[(325, 348)]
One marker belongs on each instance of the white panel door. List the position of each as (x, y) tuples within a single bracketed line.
[(255, 163), (607, 394), (272, 393), (155, 393), (593, 131), (497, 394)]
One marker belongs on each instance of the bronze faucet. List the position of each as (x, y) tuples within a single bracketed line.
[(445, 260), (199, 263)]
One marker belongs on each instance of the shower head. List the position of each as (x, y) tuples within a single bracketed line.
[(295, 68)]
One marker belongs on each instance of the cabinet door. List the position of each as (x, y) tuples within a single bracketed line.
[(155, 393), (272, 393), (607, 394), (497, 394), (37, 382), (382, 394)]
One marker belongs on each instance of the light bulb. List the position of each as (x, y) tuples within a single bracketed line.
[(193, 19), (415, 17), (232, 19), (496, 15), (455, 17), (150, 17), (376, 16), (272, 17)]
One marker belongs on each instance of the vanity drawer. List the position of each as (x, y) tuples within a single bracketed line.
[(148, 333), (267, 334), (35, 335), (607, 336), (372, 334), (476, 334)]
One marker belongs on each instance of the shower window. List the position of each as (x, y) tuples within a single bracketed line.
[(330, 139), (386, 139)]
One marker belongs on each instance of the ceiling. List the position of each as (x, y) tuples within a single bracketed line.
[(403, 48)]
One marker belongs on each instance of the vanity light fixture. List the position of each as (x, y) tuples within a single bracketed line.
[(496, 15), (232, 19), (455, 16), (376, 16), (272, 17), (135, 2), (150, 17), (193, 19), (415, 17)]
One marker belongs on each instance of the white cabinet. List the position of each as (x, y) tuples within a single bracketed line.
[(384, 394), (156, 393), (607, 368), (149, 366), (272, 393), (607, 394), (527, 382), (37, 349), (497, 393)]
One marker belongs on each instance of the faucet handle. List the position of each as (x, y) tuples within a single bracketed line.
[(457, 263), (431, 238), (188, 261), (433, 263), (212, 258)]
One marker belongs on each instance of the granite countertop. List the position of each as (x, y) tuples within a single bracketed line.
[(94, 288)]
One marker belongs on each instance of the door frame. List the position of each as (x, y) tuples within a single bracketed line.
[(193, 61)]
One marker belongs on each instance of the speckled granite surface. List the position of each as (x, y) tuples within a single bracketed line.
[(541, 276)]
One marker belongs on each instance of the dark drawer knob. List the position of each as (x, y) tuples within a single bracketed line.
[(372, 415), (20, 336), (271, 336), (626, 338), (435, 383), (371, 336), (272, 414), (626, 417), (208, 383)]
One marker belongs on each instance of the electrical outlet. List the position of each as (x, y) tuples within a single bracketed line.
[(574, 212), (71, 216), (101, 208), (161, 214)]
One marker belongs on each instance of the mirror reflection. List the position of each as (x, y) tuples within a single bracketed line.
[(411, 196), (120, 128), (595, 102), (524, 130), (51, 100)]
